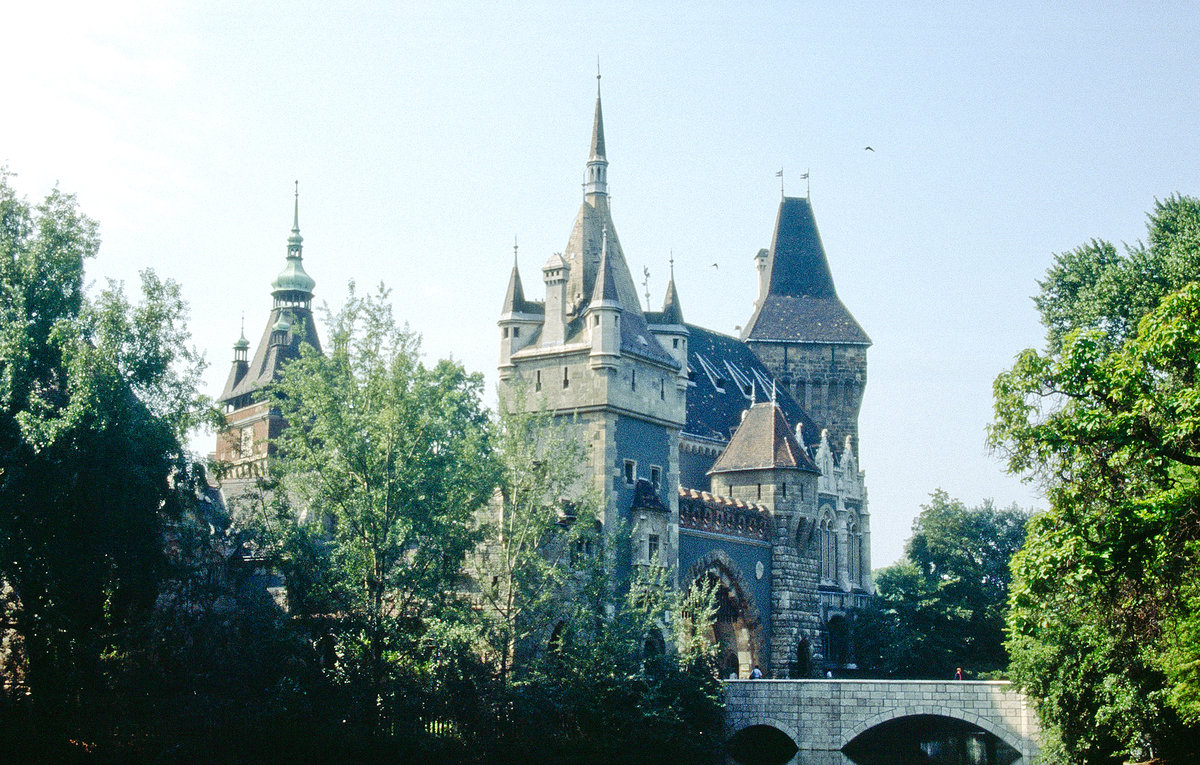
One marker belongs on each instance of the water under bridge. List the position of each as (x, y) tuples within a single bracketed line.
[(828, 715)]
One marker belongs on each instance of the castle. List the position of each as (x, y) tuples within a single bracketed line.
[(732, 460)]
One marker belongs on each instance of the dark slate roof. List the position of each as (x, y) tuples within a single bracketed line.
[(598, 131), (715, 411), (672, 312), (514, 299), (645, 497), (605, 290), (763, 441), (269, 359), (801, 304)]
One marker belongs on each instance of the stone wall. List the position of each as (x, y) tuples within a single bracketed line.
[(826, 715)]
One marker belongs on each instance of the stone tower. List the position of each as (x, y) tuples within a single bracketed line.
[(802, 332), (765, 464), (587, 355), (251, 423)]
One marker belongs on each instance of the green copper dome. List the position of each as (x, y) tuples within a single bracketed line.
[(293, 278), (242, 344)]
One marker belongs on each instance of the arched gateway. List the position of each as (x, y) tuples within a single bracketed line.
[(736, 630)]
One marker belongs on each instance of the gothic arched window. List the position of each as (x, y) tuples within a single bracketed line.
[(853, 551), (828, 540)]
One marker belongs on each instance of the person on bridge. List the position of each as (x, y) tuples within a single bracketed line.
[(958, 674), (756, 673)]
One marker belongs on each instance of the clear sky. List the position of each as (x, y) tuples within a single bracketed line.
[(426, 136)]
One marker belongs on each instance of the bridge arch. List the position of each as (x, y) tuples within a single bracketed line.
[(1002, 732), (766, 737)]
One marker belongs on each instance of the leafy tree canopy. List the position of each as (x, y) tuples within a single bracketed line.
[(943, 605), (96, 396), (1103, 611)]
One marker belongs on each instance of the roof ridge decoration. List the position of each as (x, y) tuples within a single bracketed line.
[(764, 441)]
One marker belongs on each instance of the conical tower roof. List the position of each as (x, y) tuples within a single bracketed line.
[(801, 304), (763, 441), (672, 312)]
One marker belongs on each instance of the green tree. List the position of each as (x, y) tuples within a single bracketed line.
[(384, 464), (538, 521), (943, 605), (1103, 611), (96, 397)]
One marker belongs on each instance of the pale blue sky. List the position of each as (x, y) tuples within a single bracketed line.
[(425, 136)]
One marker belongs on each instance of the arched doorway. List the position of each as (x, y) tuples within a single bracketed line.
[(837, 642), (735, 626)]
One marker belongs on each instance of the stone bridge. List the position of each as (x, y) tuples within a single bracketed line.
[(826, 715)]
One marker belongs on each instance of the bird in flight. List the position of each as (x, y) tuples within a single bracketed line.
[(714, 265), (867, 148)]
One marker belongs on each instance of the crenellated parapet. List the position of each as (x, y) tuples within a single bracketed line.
[(701, 511)]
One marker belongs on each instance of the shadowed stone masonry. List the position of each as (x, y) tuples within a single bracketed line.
[(824, 715)]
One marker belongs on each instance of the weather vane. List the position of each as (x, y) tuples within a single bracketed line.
[(646, 284)]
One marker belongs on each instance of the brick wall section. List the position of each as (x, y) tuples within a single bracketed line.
[(828, 714)]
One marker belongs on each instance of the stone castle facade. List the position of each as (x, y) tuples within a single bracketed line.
[(730, 459)]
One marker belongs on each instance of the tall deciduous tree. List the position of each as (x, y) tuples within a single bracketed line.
[(943, 605), (96, 397), (1103, 613), (540, 520), (387, 460)]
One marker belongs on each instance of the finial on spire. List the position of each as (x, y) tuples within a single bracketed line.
[(671, 261), (597, 75), (296, 219), (514, 250), (646, 284)]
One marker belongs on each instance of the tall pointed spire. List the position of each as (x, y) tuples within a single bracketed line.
[(293, 286), (597, 166), (514, 299), (672, 312), (295, 241), (605, 291)]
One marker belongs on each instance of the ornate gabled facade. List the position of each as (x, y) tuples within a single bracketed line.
[(731, 459), (251, 423)]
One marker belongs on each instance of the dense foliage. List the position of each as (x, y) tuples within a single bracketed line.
[(427, 547), (95, 398), (1104, 613), (942, 606)]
